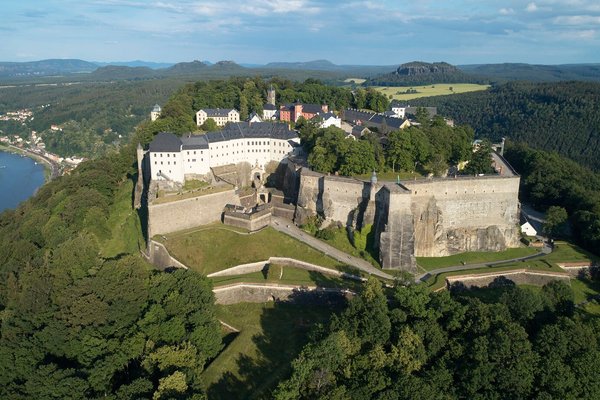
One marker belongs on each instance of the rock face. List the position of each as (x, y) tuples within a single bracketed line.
[(422, 68), (426, 218)]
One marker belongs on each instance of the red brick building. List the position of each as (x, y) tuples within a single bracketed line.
[(291, 112)]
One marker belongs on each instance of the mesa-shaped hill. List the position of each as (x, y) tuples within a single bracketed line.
[(422, 73)]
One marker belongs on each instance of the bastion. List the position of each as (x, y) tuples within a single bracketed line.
[(418, 218)]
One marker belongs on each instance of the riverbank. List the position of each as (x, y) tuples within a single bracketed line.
[(51, 168)]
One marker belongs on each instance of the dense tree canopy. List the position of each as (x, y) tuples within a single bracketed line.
[(423, 345)]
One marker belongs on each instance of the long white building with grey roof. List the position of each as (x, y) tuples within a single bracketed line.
[(175, 158), (221, 116)]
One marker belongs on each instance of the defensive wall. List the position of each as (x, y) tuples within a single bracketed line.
[(425, 217), (260, 293), (519, 277), (188, 213)]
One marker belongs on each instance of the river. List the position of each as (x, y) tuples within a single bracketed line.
[(20, 177)]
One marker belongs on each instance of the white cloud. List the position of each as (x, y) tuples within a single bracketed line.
[(577, 20), (531, 7), (506, 11)]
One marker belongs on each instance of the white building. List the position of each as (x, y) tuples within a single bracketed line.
[(220, 115), (173, 157), (330, 119), (528, 229), (269, 111)]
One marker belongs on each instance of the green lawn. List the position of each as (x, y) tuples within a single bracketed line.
[(476, 257), (215, 248), (568, 252), (439, 89), (341, 241), (259, 356), (289, 276)]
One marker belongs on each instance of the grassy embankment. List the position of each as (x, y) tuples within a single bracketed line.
[(125, 229), (438, 89), (475, 257), (216, 247), (270, 336)]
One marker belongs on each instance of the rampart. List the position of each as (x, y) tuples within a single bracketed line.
[(519, 277), (426, 217), (260, 293), (188, 213)]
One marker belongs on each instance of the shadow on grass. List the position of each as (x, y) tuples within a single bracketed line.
[(285, 330)]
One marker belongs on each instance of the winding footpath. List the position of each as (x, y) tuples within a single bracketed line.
[(288, 227)]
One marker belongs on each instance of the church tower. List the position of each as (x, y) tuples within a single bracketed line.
[(271, 95)]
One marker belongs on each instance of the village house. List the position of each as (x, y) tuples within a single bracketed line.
[(292, 112)]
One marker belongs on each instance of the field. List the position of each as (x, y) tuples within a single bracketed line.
[(214, 248), (270, 336), (439, 89)]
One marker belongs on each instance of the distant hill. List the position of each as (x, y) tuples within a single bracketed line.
[(321, 65), (535, 73), (45, 67), (185, 68), (135, 63), (422, 73), (326, 65), (122, 72)]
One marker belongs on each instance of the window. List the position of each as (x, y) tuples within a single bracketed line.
[(161, 163), (168, 155), (174, 162), (154, 162), (194, 152), (161, 154)]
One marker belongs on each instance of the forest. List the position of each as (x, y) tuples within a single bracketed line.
[(561, 117), (513, 343)]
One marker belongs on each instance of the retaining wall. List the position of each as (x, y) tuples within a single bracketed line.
[(259, 293), (159, 257), (188, 213), (519, 277)]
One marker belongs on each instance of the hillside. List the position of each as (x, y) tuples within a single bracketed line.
[(535, 73), (561, 117)]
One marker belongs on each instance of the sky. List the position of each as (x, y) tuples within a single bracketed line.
[(342, 31)]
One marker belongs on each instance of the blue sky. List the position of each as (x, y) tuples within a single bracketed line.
[(344, 32)]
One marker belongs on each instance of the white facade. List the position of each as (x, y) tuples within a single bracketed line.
[(528, 229), (219, 115), (331, 121), (400, 112), (173, 158)]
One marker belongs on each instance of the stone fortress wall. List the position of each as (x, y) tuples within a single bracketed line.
[(427, 217), (188, 213)]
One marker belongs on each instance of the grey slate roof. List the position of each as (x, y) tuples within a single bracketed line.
[(216, 112), (307, 108), (170, 142), (269, 107), (328, 115), (165, 141), (239, 130), (156, 108), (190, 142)]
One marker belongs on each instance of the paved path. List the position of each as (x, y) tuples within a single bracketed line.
[(426, 275), (292, 230)]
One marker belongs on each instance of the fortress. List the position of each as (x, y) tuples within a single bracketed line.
[(421, 218), (429, 217)]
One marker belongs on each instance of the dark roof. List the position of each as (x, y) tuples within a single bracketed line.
[(239, 130), (270, 107), (165, 141), (357, 115), (156, 108), (216, 112), (328, 115), (359, 129), (308, 108), (194, 142), (432, 111), (398, 103)]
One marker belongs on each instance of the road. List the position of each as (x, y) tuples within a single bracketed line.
[(54, 170), (288, 227), (426, 275)]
